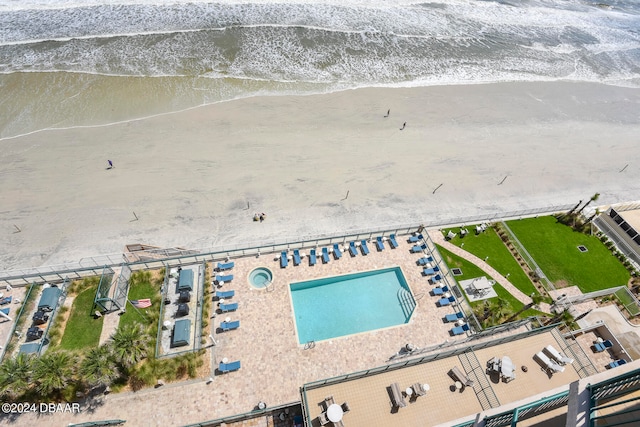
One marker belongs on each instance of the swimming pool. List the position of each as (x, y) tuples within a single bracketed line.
[(343, 305)]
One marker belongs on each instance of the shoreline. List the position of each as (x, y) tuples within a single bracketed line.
[(189, 175)]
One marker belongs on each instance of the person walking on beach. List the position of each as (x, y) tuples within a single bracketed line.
[(110, 164), (403, 126), (388, 112)]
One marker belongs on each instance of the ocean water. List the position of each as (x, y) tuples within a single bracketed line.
[(67, 63)]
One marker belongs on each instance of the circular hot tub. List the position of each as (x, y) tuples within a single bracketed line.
[(260, 277)]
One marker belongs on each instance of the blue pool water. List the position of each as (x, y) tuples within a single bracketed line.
[(343, 305)]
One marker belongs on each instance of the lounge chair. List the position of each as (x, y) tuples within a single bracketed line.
[(616, 363), (6, 300), (225, 266), (454, 317), (414, 239), (325, 255), (229, 367), (430, 271), (557, 356), (437, 291), (228, 307), (418, 248), (227, 278), (336, 251), (296, 257), (379, 244), (227, 326), (225, 294), (463, 378), (425, 260), (602, 346), (443, 301), (364, 248), (396, 396), (459, 330), (392, 241), (283, 259), (352, 249), (435, 279), (549, 365), (312, 257)]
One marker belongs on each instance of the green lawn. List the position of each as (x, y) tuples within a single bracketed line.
[(82, 330), (471, 271), (141, 288), (554, 247), (489, 244)]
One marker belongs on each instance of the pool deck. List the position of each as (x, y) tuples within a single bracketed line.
[(275, 366)]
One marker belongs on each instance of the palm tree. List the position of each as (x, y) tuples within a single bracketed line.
[(99, 367), (498, 310), (129, 344), (535, 300), (15, 375), (53, 371), (592, 199)]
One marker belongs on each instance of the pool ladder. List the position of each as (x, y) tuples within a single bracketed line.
[(407, 302)]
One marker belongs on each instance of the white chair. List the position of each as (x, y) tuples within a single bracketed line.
[(550, 366), (559, 357)]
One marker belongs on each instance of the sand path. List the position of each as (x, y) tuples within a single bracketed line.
[(438, 238)]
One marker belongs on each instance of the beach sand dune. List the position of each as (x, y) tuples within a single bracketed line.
[(195, 178)]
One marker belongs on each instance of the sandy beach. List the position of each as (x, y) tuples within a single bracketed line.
[(195, 178)]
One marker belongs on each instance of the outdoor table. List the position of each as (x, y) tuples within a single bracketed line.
[(447, 295), (334, 413), (409, 391), (302, 254), (225, 360), (221, 300), (426, 387), (458, 385), (227, 319), (460, 322)]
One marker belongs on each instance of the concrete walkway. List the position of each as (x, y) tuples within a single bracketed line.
[(438, 238)]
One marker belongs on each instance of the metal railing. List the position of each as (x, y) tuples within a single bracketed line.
[(533, 265), (88, 266)]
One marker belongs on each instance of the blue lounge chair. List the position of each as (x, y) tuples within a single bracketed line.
[(443, 301), (296, 257), (438, 291), (325, 255), (454, 317), (459, 330), (227, 278), (430, 271), (225, 266), (6, 300), (229, 307), (352, 249), (225, 294), (418, 248), (312, 257), (229, 367), (5, 310), (227, 326), (364, 247), (392, 241), (283, 259), (435, 279), (616, 363), (336, 251), (379, 243), (602, 346), (425, 260), (414, 239)]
